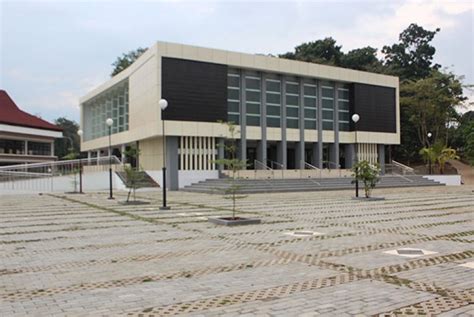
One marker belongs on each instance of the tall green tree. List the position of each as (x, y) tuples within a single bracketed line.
[(430, 104), (362, 59), (462, 136), (124, 61), (69, 145), (412, 57), (321, 51)]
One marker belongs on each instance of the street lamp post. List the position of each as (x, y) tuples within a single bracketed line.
[(79, 132), (429, 149), (163, 105), (355, 119), (109, 123)]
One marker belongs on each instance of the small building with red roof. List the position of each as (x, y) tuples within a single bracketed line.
[(24, 138)]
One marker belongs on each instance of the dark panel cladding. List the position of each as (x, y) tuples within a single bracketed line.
[(376, 107), (196, 91)]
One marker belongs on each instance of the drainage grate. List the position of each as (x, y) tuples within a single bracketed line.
[(410, 252), (303, 233)]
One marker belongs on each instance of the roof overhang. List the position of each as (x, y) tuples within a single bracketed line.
[(30, 131)]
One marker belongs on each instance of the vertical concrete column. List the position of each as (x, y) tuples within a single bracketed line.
[(381, 157), (314, 148), (319, 122), (300, 145), (243, 119), (349, 150), (220, 153), (98, 156), (335, 150), (25, 148), (89, 156), (172, 162), (262, 145), (281, 146)]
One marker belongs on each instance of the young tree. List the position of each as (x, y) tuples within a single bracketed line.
[(133, 175), (234, 165), (368, 174), (127, 59)]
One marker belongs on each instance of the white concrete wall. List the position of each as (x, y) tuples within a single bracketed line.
[(449, 180), (185, 177)]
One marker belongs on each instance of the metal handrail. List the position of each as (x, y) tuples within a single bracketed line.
[(405, 169), (306, 165), (265, 167), (338, 166)]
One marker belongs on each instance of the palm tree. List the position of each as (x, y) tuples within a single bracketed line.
[(429, 156), (446, 155)]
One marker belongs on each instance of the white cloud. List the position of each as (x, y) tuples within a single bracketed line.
[(378, 30)]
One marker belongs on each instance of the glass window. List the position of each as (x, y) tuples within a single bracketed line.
[(273, 98), (39, 148), (233, 81), (309, 124), (344, 116), (310, 102), (327, 125), (309, 113), (292, 88), (343, 126), (273, 110), (233, 94), (273, 85), (253, 121), (273, 122), (253, 96), (343, 94), (292, 100), (309, 90), (12, 146), (233, 106), (328, 104), (233, 118), (253, 108), (292, 112), (327, 92), (252, 83), (328, 115), (292, 123)]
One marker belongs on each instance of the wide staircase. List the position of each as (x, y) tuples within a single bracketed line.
[(144, 180), (252, 186)]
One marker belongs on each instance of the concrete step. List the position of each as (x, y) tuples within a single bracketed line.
[(292, 185)]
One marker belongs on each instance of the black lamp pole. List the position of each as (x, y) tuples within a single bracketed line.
[(80, 132), (110, 122), (163, 104), (355, 118)]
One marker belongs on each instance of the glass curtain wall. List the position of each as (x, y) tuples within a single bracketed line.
[(292, 107), (111, 104), (252, 99), (273, 102), (343, 104), (328, 105), (310, 105), (233, 96)]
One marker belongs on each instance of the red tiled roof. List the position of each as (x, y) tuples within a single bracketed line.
[(11, 114)]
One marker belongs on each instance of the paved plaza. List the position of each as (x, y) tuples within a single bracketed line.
[(315, 254)]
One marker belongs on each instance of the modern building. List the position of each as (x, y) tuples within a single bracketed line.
[(24, 138), (291, 114)]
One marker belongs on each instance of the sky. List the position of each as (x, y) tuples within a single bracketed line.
[(53, 52)]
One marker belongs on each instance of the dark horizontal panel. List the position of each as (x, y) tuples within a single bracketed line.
[(376, 106), (196, 91)]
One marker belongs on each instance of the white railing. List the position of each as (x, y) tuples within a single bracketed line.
[(40, 176), (307, 166)]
